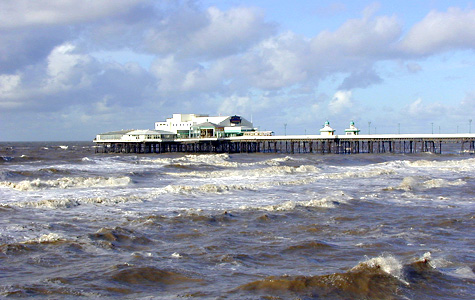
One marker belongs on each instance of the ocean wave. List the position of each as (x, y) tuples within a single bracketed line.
[(270, 171), (223, 188), (31, 244), (70, 203), (418, 184), (292, 205), (149, 276), (359, 174), (46, 239), (331, 201), (67, 183), (386, 263), (373, 279), (190, 159), (382, 277), (221, 160), (458, 165), (7, 158), (120, 238)]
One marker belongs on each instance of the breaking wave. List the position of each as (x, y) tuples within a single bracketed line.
[(221, 160), (69, 203), (274, 170), (465, 164), (360, 174), (382, 277), (292, 205), (376, 278), (66, 183), (418, 184), (223, 188)]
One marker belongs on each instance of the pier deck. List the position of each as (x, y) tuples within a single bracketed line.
[(336, 144)]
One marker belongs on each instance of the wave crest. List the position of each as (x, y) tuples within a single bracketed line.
[(270, 171), (373, 279), (221, 160), (66, 183), (415, 183)]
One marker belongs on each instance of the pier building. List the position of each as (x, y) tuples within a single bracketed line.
[(199, 125), (193, 133), (352, 130), (327, 130)]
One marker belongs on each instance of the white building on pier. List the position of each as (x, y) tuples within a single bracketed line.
[(327, 130), (197, 125), (352, 130)]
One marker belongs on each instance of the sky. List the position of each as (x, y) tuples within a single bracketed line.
[(72, 69)]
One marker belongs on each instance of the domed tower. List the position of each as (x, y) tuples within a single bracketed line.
[(327, 130), (352, 130)]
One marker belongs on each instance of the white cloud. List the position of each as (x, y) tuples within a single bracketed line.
[(441, 31), (427, 111), (8, 86), (340, 101), (8, 83), (235, 104), (21, 13), (67, 69), (364, 39), (416, 107), (210, 34)]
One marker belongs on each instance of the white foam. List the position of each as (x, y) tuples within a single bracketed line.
[(70, 202), (50, 237), (386, 263), (291, 205), (221, 160), (330, 201), (359, 174), (223, 188), (45, 238), (453, 165), (416, 183), (67, 183), (270, 171)]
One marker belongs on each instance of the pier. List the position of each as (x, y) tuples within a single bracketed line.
[(317, 144)]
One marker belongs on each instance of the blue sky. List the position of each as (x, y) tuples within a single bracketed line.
[(69, 70)]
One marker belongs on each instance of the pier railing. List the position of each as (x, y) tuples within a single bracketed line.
[(336, 144)]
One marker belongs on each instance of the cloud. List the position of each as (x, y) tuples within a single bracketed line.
[(235, 104), (69, 78), (360, 79), (26, 13), (205, 58), (210, 34), (358, 40), (340, 101), (441, 31), (31, 29), (427, 111)]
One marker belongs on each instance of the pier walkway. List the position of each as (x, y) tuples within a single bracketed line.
[(336, 144)]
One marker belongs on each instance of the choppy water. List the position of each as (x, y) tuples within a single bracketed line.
[(248, 226)]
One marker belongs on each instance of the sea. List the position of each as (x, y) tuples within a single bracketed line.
[(76, 224)]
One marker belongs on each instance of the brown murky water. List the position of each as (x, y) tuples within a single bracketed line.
[(74, 224)]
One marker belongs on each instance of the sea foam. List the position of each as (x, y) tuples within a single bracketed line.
[(66, 183)]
